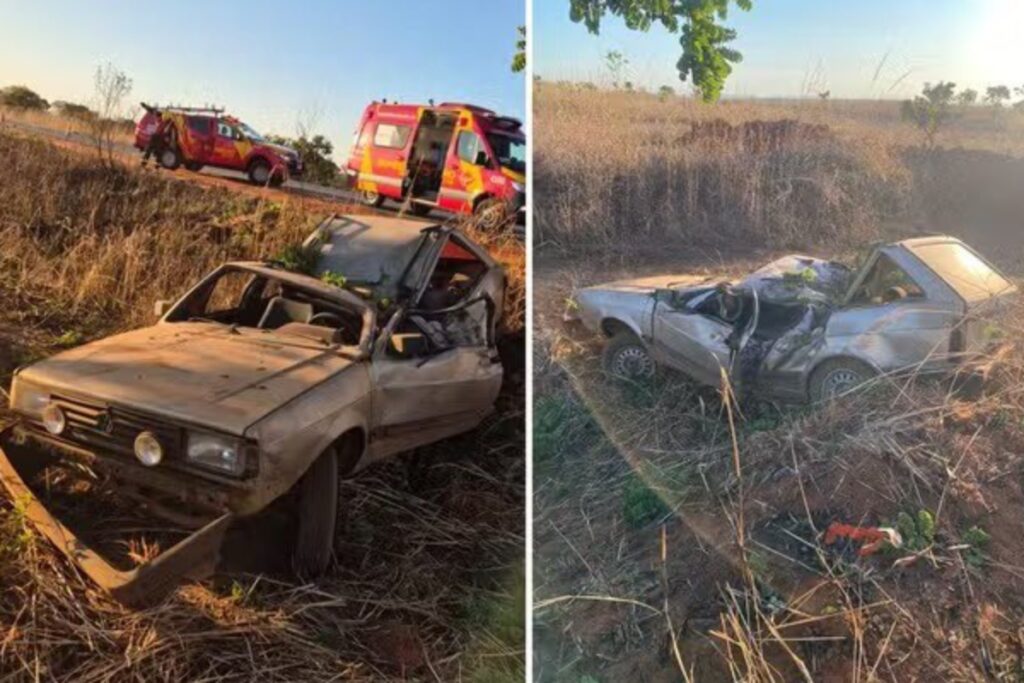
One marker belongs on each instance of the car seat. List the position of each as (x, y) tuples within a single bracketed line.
[(280, 311)]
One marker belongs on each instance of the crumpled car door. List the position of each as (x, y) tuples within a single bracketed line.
[(691, 342), (446, 389)]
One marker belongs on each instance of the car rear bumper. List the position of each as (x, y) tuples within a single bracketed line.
[(194, 557)]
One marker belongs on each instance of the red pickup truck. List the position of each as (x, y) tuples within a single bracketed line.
[(195, 137)]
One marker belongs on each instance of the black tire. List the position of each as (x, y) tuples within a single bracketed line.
[(317, 508), (193, 166), (260, 173), (277, 180), (491, 213), (836, 376), (371, 198), (626, 357), (417, 209), (169, 158)]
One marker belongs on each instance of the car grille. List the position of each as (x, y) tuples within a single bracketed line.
[(115, 429)]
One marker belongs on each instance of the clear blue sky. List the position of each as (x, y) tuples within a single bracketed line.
[(791, 47), (267, 61)]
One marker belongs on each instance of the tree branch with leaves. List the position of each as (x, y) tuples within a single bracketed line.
[(707, 59)]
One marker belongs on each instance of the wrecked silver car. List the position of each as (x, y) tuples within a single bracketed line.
[(260, 382), (805, 329)]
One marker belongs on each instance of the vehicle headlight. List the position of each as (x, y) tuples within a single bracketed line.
[(148, 449), (54, 419), (215, 452), (28, 400)]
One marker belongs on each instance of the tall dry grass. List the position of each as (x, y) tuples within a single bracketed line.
[(619, 169)]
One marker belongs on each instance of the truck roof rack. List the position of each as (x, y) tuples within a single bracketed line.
[(186, 110)]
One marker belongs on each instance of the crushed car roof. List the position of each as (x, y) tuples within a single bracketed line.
[(372, 250)]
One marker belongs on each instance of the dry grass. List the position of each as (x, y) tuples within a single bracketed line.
[(428, 579), (615, 169)]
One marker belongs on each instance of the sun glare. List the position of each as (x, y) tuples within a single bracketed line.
[(997, 50)]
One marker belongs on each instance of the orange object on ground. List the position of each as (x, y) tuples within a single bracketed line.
[(874, 537)]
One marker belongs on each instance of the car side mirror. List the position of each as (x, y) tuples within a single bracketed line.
[(161, 307)]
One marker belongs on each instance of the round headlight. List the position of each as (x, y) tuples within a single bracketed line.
[(54, 419), (148, 450)]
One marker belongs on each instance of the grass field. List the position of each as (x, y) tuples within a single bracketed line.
[(680, 535), (429, 579)]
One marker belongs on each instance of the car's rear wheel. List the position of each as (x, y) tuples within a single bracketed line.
[(371, 198), (259, 172), (626, 357), (836, 377), (317, 516), (491, 213), (170, 158)]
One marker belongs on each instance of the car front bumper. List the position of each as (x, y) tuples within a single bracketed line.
[(195, 557)]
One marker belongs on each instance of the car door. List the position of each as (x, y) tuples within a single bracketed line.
[(690, 341), (430, 382), (463, 174), (226, 152), (385, 162), (893, 319), (201, 139)]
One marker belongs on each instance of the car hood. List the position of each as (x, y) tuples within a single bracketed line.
[(199, 373), (280, 149), (648, 285)]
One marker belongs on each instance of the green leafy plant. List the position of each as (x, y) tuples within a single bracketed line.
[(334, 279), (298, 258), (978, 540), (640, 503), (918, 532), (930, 110)]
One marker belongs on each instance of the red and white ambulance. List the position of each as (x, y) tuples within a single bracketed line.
[(456, 157)]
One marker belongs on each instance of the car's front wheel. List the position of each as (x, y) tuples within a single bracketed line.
[(626, 357), (317, 516), (836, 377)]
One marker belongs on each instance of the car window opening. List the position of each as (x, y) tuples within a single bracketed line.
[(244, 300)]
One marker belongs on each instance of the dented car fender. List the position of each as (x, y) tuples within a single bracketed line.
[(293, 436)]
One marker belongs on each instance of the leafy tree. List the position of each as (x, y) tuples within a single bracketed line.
[(665, 92), (931, 109), (824, 95), (73, 110), (967, 97), (616, 64), (20, 97), (706, 60), (996, 95), (315, 152), (519, 60)]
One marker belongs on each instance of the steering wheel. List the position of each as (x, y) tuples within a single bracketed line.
[(326, 316)]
